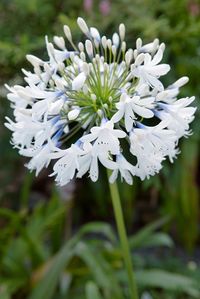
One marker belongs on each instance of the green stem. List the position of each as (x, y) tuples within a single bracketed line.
[(123, 238)]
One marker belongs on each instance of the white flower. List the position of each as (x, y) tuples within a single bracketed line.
[(169, 95), (77, 107), (17, 97), (66, 166), (128, 106), (105, 138), (40, 157), (148, 48), (179, 115), (150, 71), (151, 145), (125, 169), (24, 130), (89, 162)]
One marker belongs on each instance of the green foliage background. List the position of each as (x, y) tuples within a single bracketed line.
[(175, 192)]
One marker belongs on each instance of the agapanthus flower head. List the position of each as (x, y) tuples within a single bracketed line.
[(88, 102)]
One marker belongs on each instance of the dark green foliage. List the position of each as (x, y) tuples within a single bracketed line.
[(87, 264)]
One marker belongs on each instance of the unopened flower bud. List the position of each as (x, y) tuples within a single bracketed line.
[(110, 99), (114, 50), (115, 39), (89, 47), (109, 44), (180, 82), (100, 112), (66, 129), (79, 81), (138, 43), (97, 57), (122, 30), (81, 47), (104, 42), (162, 47), (102, 59), (73, 114), (155, 44), (106, 67), (95, 34), (86, 69), (50, 49), (128, 56), (123, 46), (83, 56), (67, 32), (82, 25), (59, 41), (34, 60)]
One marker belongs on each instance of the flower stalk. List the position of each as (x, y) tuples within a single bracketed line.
[(123, 238)]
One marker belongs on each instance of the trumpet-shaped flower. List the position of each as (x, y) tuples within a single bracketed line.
[(179, 114), (129, 107), (105, 138), (148, 69), (89, 161), (151, 145), (126, 170)]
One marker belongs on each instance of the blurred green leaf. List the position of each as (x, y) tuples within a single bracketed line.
[(102, 228), (168, 281), (26, 188), (147, 236), (153, 240), (47, 285), (92, 291), (101, 270)]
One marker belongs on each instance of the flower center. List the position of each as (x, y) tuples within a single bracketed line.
[(102, 88)]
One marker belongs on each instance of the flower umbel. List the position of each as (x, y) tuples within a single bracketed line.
[(79, 106)]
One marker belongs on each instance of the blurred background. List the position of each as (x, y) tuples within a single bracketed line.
[(37, 218)]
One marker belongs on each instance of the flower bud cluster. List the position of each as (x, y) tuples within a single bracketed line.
[(89, 103)]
